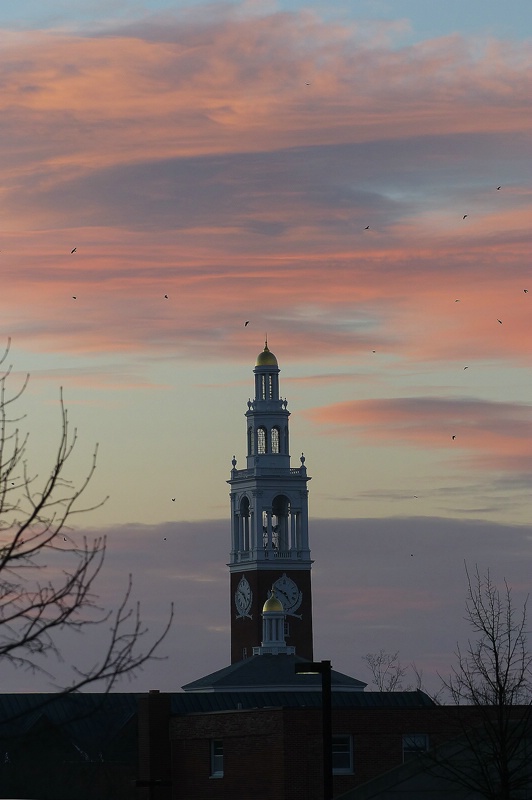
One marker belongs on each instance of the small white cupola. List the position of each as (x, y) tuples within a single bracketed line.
[(273, 629)]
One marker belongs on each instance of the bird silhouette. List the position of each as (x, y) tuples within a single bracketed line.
[(74, 297), (499, 321), (246, 323), (166, 296), (466, 367), (73, 250), (453, 437), (525, 291), (465, 215), (498, 187), (173, 499), (366, 228)]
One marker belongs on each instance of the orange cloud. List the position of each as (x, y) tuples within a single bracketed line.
[(500, 433), (235, 163), (250, 83)]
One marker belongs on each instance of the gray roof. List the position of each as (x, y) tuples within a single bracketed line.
[(265, 673), (92, 721), (183, 703)]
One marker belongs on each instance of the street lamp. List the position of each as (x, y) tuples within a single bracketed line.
[(323, 668)]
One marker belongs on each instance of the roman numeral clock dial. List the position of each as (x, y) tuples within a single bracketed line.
[(243, 598), (289, 594)]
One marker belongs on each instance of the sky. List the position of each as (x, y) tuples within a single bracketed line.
[(353, 180)]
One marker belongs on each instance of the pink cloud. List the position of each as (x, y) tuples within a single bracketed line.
[(191, 158), (500, 434), (364, 604)]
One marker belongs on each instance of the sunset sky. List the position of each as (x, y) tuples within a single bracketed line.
[(356, 181)]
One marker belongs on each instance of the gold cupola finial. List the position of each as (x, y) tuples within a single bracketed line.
[(272, 604), (266, 358)]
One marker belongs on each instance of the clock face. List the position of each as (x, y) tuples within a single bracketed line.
[(288, 593), (243, 598)]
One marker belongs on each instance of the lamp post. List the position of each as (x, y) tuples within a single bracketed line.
[(323, 668)]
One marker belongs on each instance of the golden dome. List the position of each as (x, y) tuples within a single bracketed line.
[(266, 358), (272, 604)]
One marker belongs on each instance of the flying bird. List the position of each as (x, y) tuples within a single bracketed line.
[(74, 297), (453, 437), (466, 367), (498, 187), (246, 323), (366, 228), (173, 499), (73, 250), (465, 215), (525, 291), (166, 296), (499, 321)]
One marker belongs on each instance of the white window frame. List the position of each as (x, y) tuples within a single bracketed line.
[(414, 744), (217, 758), (344, 739)]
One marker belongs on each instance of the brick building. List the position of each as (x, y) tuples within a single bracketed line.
[(240, 745), (386, 745)]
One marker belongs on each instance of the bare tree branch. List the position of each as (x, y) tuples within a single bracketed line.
[(493, 674), (386, 670), (47, 579)]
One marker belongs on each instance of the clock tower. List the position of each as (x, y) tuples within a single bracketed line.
[(269, 524)]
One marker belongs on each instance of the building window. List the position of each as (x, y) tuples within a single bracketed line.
[(244, 538), (251, 448), (275, 440), (261, 440), (342, 754), (414, 744), (266, 387), (217, 758)]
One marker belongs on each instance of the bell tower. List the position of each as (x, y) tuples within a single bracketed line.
[(269, 524)]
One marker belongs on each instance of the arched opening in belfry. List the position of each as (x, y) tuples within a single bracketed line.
[(280, 523), (275, 439), (266, 387), (262, 441), (244, 524), (251, 442)]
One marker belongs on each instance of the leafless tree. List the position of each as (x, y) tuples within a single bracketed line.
[(386, 670), (47, 575), (493, 674)]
